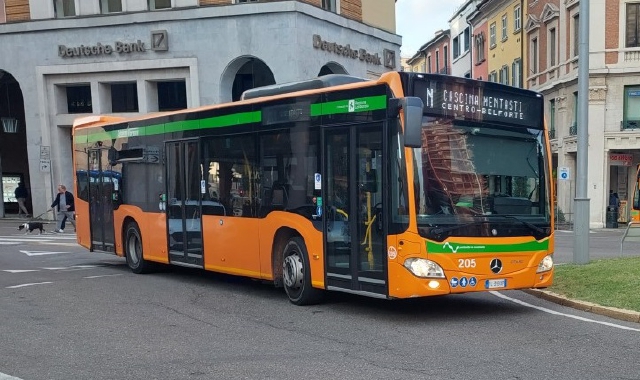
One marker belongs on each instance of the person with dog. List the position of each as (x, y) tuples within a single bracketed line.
[(21, 194), (65, 203)]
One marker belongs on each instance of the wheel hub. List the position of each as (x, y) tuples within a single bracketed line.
[(292, 271)]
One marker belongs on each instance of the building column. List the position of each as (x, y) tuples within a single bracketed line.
[(598, 189), (566, 188)]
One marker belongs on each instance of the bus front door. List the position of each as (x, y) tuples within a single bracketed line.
[(102, 189), (353, 183), (183, 203)]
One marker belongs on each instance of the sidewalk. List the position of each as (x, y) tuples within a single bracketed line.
[(9, 225), (611, 312)]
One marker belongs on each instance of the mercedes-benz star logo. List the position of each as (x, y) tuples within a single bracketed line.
[(496, 266)]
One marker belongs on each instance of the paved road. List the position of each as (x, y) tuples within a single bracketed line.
[(70, 314), (603, 243)]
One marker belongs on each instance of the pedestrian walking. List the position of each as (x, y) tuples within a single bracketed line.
[(21, 194), (65, 204)]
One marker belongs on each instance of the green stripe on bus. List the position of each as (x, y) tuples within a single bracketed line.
[(234, 119), (101, 136), (370, 103), (453, 247), (176, 126)]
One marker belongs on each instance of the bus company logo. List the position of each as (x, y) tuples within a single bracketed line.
[(133, 132), (453, 249), (355, 105), (447, 245)]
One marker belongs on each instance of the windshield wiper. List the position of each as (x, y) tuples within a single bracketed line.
[(524, 222), (442, 230)]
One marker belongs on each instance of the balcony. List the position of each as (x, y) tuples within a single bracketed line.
[(629, 124), (573, 130)]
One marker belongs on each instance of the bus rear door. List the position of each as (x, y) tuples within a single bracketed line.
[(354, 186), (183, 203), (103, 188)]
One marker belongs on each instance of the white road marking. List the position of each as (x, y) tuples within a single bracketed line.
[(66, 244), (37, 238), (40, 253), (20, 270), (104, 275), (75, 267), (4, 376), (497, 294), (23, 285), (47, 237)]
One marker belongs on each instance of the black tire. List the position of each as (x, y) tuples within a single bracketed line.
[(296, 274), (133, 250)]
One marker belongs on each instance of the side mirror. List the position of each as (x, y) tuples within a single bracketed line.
[(412, 107), (112, 156)]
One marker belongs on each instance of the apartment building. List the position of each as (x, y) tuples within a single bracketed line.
[(480, 47), (433, 56), (504, 19), (62, 59), (461, 41), (614, 96)]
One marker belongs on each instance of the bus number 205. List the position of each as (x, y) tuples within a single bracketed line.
[(466, 263)]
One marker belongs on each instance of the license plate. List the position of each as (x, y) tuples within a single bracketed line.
[(492, 284)]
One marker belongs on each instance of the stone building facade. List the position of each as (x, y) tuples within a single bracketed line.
[(64, 59)]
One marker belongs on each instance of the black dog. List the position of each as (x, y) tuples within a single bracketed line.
[(30, 226)]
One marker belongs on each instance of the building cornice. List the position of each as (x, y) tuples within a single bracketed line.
[(195, 13), (550, 12), (533, 23)]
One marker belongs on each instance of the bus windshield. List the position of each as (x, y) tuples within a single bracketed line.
[(470, 175)]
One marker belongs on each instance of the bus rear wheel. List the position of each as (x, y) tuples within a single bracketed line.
[(296, 274), (133, 250)]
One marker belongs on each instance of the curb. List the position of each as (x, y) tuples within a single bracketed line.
[(611, 312)]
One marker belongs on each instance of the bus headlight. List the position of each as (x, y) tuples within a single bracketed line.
[(546, 264), (424, 268)]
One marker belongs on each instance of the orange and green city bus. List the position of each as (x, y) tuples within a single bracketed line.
[(410, 185)]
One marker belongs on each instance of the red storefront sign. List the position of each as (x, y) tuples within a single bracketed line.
[(620, 159)]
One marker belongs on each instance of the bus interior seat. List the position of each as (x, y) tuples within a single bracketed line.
[(512, 205), (279, 196)]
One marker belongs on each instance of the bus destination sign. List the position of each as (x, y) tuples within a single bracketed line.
[(478, 102)]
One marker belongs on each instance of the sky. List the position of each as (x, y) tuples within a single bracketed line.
[(418, 20)]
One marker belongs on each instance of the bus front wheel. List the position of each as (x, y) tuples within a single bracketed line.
[(296, 274), (133, 250)]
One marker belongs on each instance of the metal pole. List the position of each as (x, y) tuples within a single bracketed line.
[(581, 226)]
